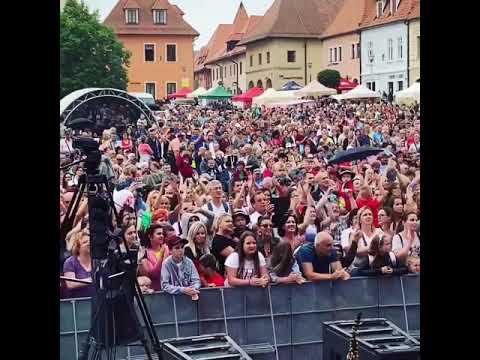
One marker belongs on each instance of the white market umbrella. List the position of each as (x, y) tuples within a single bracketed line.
[(271, 96), (315, 88), (200, 91), (359, 92), (409, 95)]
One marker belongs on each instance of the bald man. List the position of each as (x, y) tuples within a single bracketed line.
[(318, 260)]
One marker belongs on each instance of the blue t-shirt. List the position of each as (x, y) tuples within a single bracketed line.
[(320, 265)]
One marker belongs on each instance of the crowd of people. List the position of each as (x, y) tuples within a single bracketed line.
[(218, 196)]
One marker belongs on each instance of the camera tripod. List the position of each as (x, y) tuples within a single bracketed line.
[(114, 320)]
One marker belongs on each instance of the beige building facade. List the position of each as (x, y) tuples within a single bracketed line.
[(414, 50), (273, 62), (225, 70), (342, 53)]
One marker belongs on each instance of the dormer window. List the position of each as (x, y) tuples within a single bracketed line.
[(131, 16), (160, 16), (379, 8)]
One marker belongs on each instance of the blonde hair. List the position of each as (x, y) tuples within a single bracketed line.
[(150, 202), (218, 220), (192, 233), (75, 241), (360, 213)]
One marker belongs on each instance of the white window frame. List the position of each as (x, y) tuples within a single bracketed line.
[(241, 67), (260, 60), (400, 47), (155, 84), (136, 16), (352, 55), (154, 53), (398, 85), (390, 49), (330, 59), (335, 54), (339, 54), (268, 57), (251, 60), (379, 8), (358, 51), (170, 82), (418, 47), (166, 52), (370, 50), (159, 11)]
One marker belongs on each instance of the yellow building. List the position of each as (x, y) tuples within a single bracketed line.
[(285, 44), (161, 44), (414, 45)]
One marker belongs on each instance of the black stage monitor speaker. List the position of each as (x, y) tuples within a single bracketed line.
[(378, 339), (215, 346)]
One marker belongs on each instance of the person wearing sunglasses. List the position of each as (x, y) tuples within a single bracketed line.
[(266, 239)]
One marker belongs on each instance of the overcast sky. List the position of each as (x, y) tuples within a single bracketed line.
[(203, 15)]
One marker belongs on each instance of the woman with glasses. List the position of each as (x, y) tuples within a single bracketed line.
[(385, 220), (79, 266), (267, 242)]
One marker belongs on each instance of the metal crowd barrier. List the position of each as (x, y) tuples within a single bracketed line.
[(288, 317)]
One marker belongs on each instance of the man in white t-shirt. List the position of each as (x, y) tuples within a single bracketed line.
[(216, 205)]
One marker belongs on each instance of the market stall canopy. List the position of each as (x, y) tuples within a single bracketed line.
[(218, 92), (316, 89), (249, 95), (409, 95), (200, 91), (271, 96), (360, 92), (346, 84), (182, 93), (291, 85)]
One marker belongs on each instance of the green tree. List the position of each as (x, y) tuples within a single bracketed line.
[(90, 54), (329, 78)]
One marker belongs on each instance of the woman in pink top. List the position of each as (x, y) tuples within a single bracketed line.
[(157, 252), (144, 151)]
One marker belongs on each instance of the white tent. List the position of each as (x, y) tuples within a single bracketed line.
[(314, 88), (359, 92), (197, 92), (271, 96), (409, 95)]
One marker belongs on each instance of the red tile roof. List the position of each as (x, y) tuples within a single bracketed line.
[(240, 24), (131, 4), (215, 46), (295, 19), (176, 25), (347, 19), (404, 11)]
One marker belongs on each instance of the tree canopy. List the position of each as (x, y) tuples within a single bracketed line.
[(329, 78), (90, 53)]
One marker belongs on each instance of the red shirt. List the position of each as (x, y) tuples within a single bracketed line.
[(373, 204), (216, 279)]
